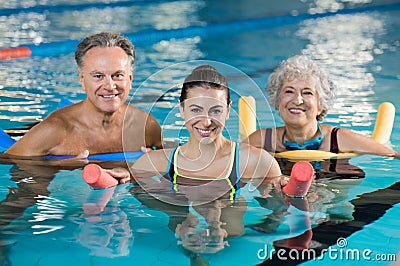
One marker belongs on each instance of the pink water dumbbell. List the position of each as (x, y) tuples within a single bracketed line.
[(300, 180), (97, 177)]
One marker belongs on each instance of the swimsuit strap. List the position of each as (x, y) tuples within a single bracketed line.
[(234, 177), (268, 140), (334, 142), (334, 148), (170, 168)]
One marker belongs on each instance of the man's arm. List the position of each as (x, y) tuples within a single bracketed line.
[(39, 139), (153, 135)]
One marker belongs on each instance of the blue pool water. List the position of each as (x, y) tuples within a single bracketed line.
[(49, 216)]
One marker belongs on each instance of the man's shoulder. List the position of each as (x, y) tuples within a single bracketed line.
[(133, 109), (136, 114), (64, 116)]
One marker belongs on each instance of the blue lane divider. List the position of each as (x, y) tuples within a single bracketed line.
[(6, 141), (153, 36)]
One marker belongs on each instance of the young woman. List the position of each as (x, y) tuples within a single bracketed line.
[(209, 163)]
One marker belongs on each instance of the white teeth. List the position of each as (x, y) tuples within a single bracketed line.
[(203, 131), (295, 110), (109, 96)]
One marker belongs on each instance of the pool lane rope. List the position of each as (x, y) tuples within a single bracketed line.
[(154, 36), (382, 131)]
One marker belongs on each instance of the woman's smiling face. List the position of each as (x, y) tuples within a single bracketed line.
[(299, 102), (205, 111)]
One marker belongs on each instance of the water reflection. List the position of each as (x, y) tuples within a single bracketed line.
[(23, 28), (103, 229), (345, 46), (48, 25), (321, 6), (125, 221), (32, 87)]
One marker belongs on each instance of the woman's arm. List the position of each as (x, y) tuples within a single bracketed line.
[(256, 139), (349, 141), (152, 161), (257, 163)]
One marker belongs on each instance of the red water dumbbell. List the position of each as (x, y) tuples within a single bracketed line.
[(97, 177), (300, 180)]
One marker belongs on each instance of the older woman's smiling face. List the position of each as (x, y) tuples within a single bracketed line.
[(299, 102)]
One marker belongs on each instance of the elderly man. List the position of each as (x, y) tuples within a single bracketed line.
[(96, 124)]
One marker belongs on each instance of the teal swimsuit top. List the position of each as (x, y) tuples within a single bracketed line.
[(232, 178)]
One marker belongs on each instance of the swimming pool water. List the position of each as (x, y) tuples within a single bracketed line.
[(50, 216)]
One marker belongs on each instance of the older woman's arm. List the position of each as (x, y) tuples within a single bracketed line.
[(350, 141)]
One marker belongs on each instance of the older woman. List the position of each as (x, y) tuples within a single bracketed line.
[(302, 93)]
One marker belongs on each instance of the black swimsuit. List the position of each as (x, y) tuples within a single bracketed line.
[(268, 140), (347, 171), (334, 143), (232, 178)]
